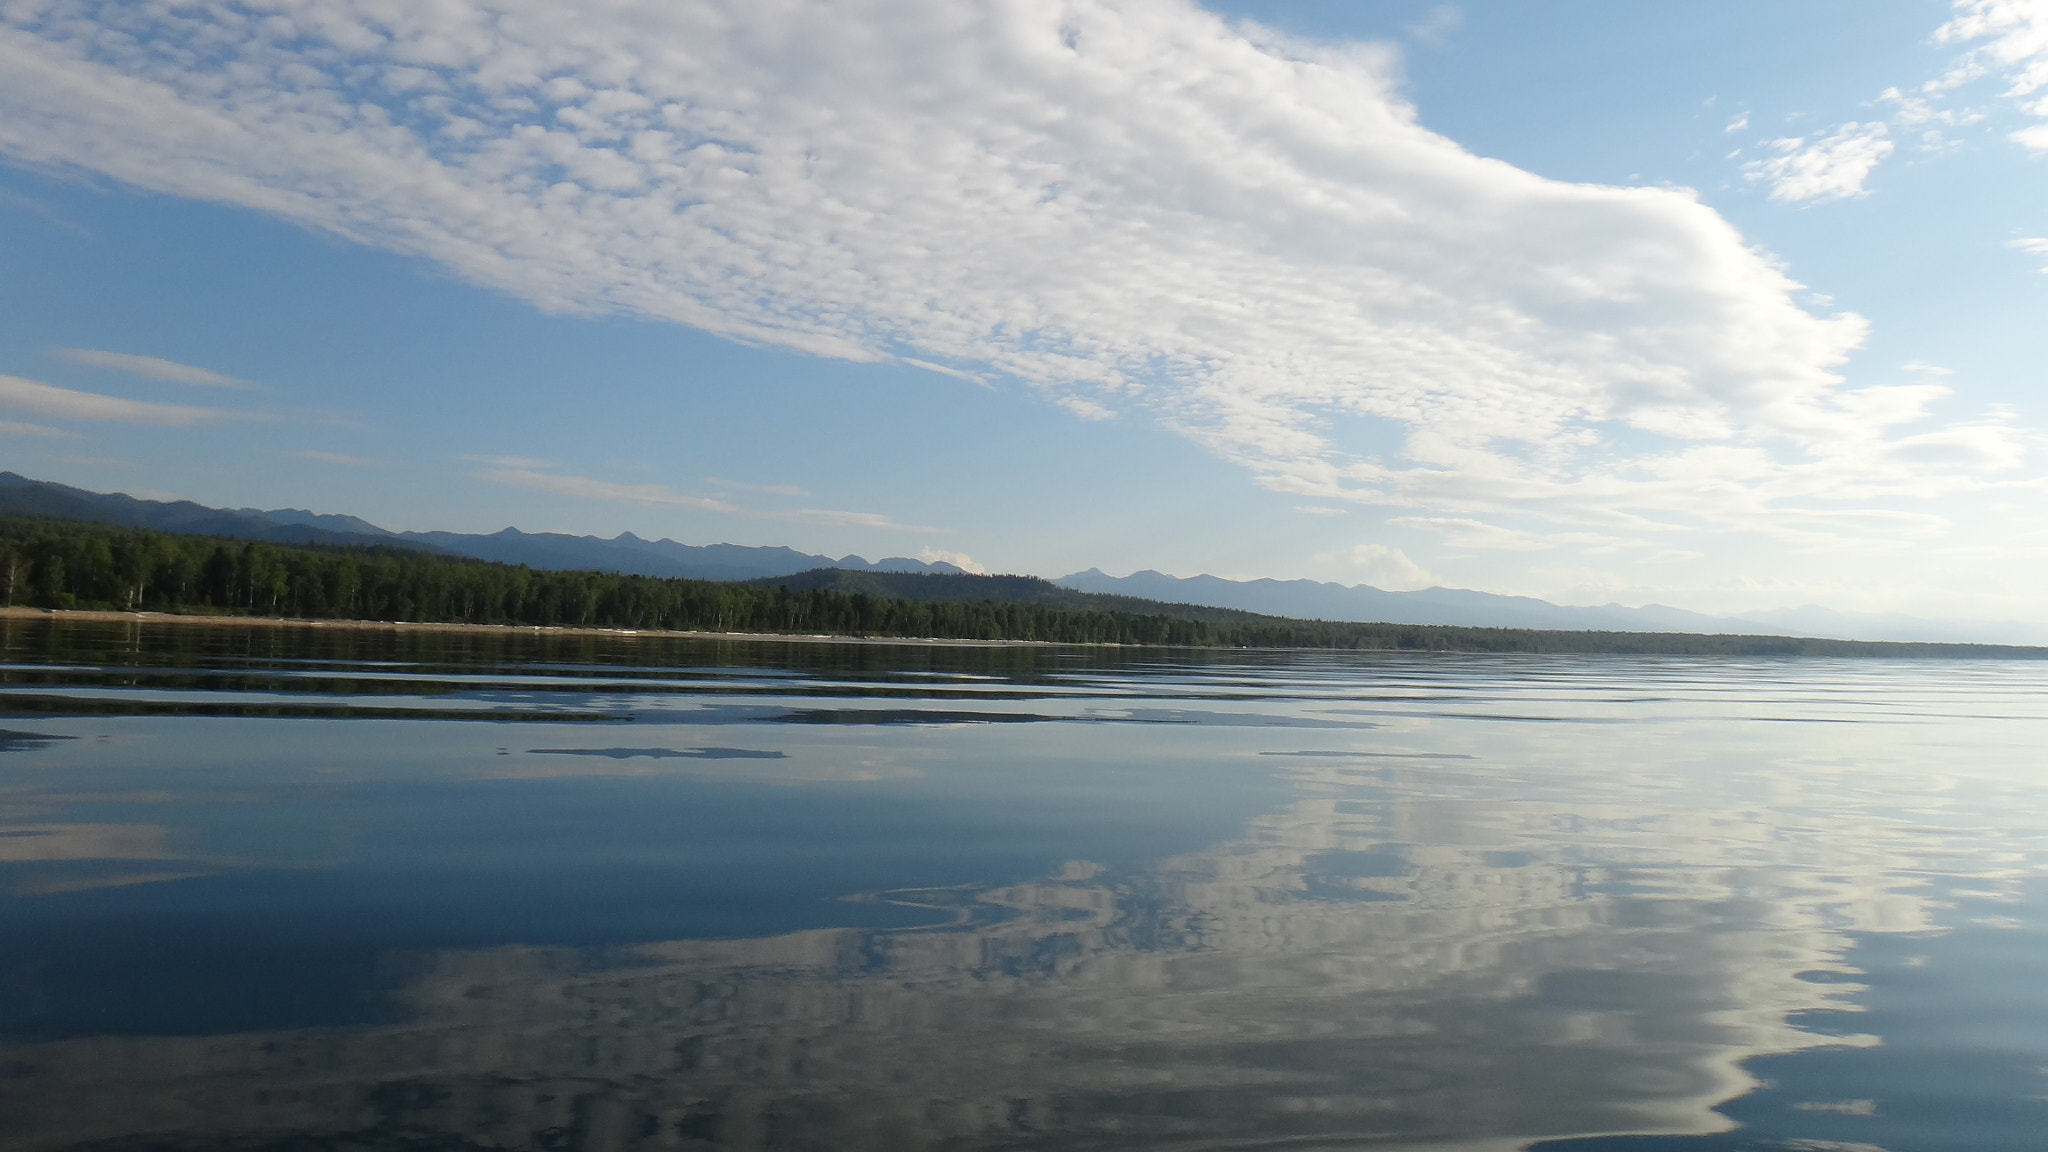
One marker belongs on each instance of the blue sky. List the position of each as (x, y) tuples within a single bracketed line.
[(1729, 306)]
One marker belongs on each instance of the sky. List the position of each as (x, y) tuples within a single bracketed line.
[(1730, 306)]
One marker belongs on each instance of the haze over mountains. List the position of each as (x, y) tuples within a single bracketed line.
[(623, 553), (1328, 601), (1295, 598)]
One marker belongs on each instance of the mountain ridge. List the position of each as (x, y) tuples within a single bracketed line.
[(624, 553), (20, 495), (1319, 600), (1300, 599)]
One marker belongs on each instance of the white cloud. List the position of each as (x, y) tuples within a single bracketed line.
[(2033, 246), (1132, 204), (16, 428), (1319, 510), (1085, 408), (957, 559), (1388, 568), (660, 496), (2012, 37), (764, 489), (1437, 25), (516, 462), (1463, 533), (1825, 168), (836, 518), (149, 366), (41, 399), (319, 457), (585, 488), (941, 369), (1917, 109), (1921, 111), (34, 207)]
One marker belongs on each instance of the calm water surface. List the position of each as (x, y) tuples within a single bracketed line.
[(294, 889)]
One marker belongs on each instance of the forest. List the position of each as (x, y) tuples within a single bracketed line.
[(62, 564)]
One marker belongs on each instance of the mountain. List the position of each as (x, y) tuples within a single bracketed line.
[(1362, 602), (1139, 592), (20, 495), (965, 586), (1814, 620), (631, 554), (624, 553), (331, 523), (1326, 601)]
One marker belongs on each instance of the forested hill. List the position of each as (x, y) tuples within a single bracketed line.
[(65, 564), (967, 587)]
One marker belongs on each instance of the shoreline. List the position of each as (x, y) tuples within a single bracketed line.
[(96, 616), (1847, 649)]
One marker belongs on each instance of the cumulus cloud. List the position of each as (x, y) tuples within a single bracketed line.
[(41, 399), (959, 560), (149, 366), (1388, 568), (529, 474), (1831, 167), (1134, 205)]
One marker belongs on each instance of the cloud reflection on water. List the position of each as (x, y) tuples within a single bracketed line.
[(1445, 934), (1476, 1000)]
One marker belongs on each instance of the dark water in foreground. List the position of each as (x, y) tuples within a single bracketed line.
[(263, 889)]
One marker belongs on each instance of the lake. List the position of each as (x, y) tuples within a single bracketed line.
[(297, 889)]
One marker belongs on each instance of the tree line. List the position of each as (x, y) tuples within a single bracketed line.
[(62, 564), (68, 564)]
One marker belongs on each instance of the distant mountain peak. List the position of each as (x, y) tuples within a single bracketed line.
[(626, 552), (1321, 600), (21, 495), (1307, 599)]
